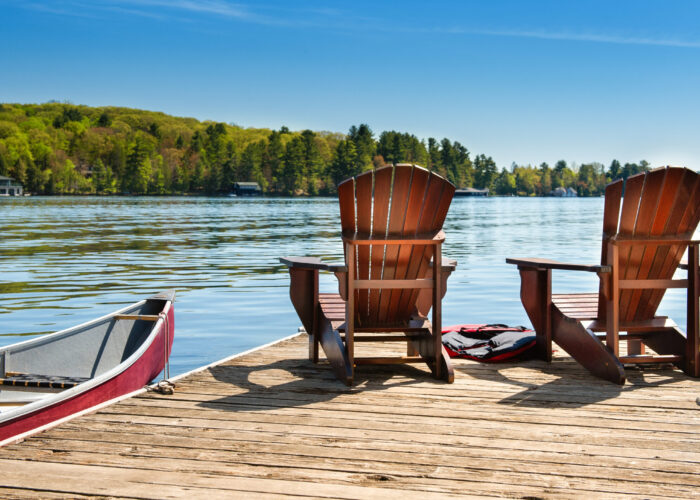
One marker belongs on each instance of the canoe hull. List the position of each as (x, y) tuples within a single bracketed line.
[(131, 378)]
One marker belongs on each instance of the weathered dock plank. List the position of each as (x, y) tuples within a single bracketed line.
[(270, 424)]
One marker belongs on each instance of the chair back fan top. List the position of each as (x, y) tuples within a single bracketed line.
[(661, 203), (394, 201)]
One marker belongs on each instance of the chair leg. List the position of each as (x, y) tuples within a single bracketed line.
[(536, 297), (585, 348), (426, 348), (447, 373), (303, 291), (313, 347), (669, 341), (692, 352), (334, 349)]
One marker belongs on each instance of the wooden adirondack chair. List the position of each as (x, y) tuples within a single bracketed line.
[(643, 243), (391, 221)]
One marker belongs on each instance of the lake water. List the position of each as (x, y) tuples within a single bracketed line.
[(66, 260)]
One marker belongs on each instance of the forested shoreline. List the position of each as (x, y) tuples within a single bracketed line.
[(61, 148)]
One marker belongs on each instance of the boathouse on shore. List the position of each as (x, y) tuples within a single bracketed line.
[(9, 187), (472, 192), (247, 189)]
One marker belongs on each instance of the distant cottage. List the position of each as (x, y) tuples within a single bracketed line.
[(561, 192), (472, 192), (8, 187), (247, 189)]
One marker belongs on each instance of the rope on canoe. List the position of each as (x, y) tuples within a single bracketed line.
[(165, 386)]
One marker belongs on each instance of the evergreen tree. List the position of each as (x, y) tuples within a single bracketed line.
[(102, 178), (132, 180), (365, 147), (434, 158), (485, 172), (545, 184), (615, 170), (294, 156), (345, 162), (272, 160), (311, 170), (558, 174), (229, 168), (448, 162)]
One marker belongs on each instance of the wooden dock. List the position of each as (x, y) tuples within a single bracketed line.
[(270, 424)]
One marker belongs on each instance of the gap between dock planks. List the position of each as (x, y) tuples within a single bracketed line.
[(270, 424)]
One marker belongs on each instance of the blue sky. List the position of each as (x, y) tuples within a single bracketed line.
[(523, 81)]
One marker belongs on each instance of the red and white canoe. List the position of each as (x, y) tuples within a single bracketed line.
[(51, 377)]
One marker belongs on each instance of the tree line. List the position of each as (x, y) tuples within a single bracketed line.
[(61, 148)]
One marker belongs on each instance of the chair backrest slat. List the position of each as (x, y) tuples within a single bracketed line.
[(346, 200), (382, 196), (400, 200), (399, 203), (363, 191)]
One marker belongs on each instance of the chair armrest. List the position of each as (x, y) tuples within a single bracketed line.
[(553, 264), (303, 263), (337, 267), (447, 264), (683, 264), (313, 263)]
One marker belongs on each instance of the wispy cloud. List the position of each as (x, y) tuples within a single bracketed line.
[(216, 7), (68, 10), (578, 37), (190, 10)]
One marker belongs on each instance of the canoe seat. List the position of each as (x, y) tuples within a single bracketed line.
[(44, 381)]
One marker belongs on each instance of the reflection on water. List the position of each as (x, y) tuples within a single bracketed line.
[(70, 259)]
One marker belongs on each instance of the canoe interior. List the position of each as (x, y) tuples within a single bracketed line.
[(84, 351)]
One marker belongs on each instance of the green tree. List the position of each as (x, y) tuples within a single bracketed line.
[(136, 159), (434, 157), (505, 183), (294, 156), (526, 179), (397, 147), (103, 178), (485, 172), (345, 162), (143, 176), (272, 161), (615, 170), (365, 147), (312, 165), (104, 120), (229, 169)]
